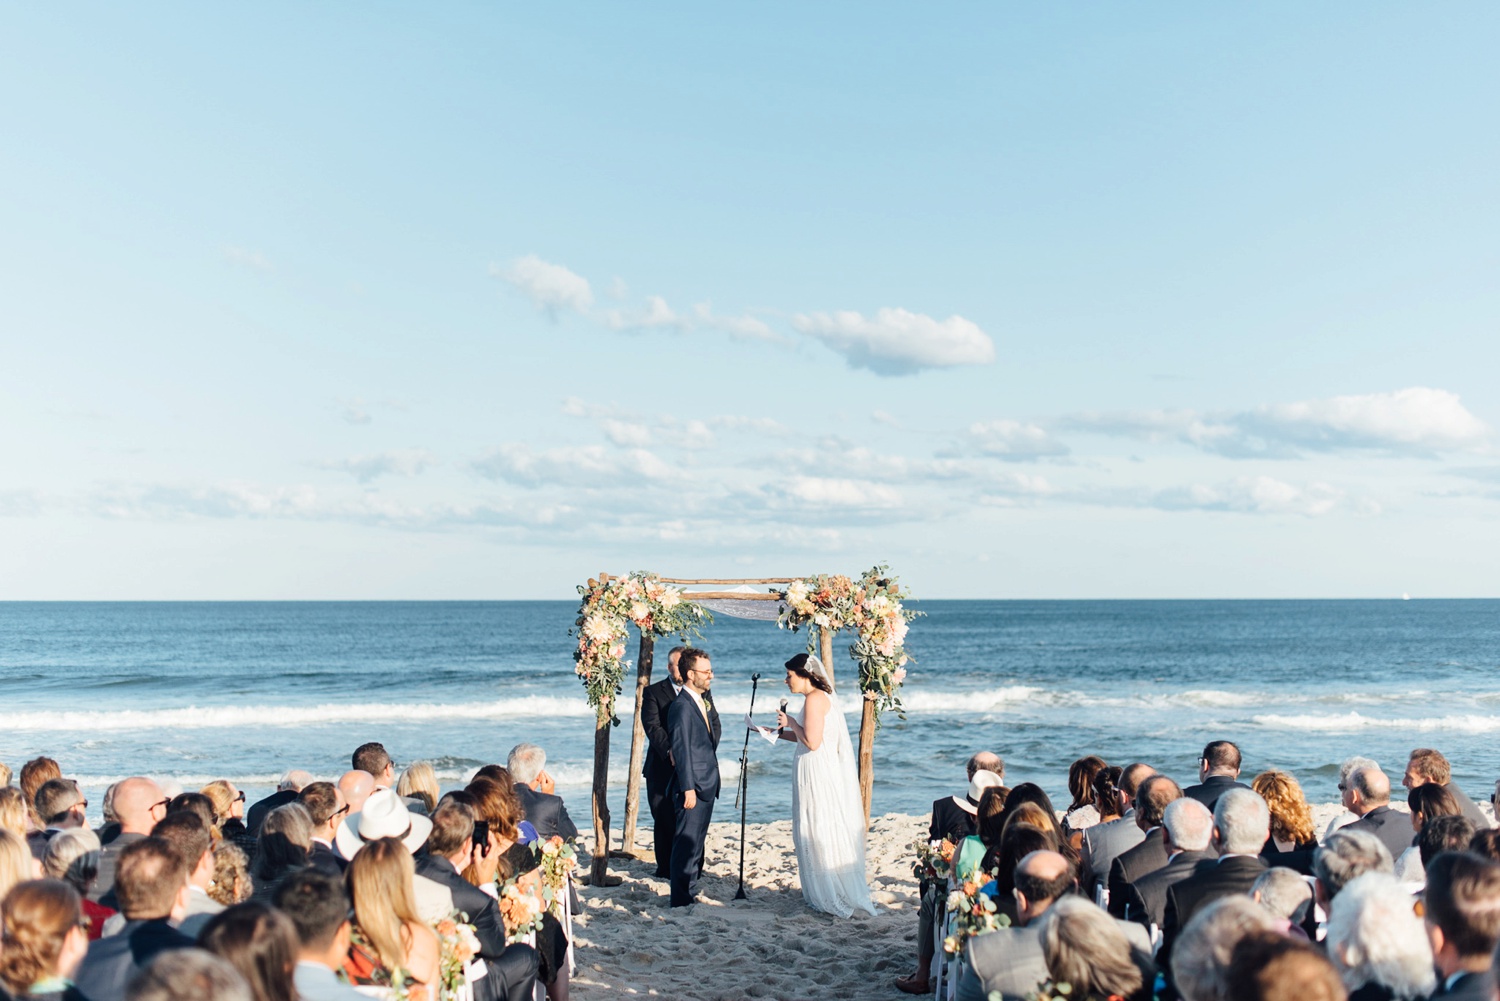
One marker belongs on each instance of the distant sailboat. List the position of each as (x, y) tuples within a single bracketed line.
[(1405, 596)]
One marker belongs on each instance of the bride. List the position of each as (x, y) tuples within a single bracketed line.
[(828, 817)]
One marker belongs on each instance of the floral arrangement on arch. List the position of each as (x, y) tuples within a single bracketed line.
[(972, 912), (873, 605), (608, 609)]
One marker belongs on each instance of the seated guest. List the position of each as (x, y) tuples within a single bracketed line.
[(282, 848), (1218, 772), (419, 782), (151, 885), (1346, 769), (1103, 843), (34, 774), (376, 761), (60, 805), (199, 806), (16, 863), (326, 809), (1187, 830), (356, 786), (1016, 842), (1427, 766), (1200, 961), (971, 851), (189, 975), (1241, 825), (1287, 895), (1461, 907), (229, 813), (286, 792), (1444, 834), (1090, 952), (1151, 802), (1377, 941), (42, 940), (1106, 792), (391, 942), (1367, 795), (386, 817), (14, 815), (261, 943), (1293, 837), (1486, 843), (232, 884), (954, 817), (4, 775), (1081, 812), (1266, 966), (1347, 855), (1029, 793), (318, 907), (545, 811), (1426, 802), (185, 832), (73, 857)]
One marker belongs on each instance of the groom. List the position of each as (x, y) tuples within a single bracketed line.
[(693, 727)]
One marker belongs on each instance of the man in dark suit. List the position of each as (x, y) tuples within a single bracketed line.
[(1187, 831), (1218, 772), (1367, 794), (151, 883), (695, 771), (450, 849), (545, 810), (1103, 843), (1242, 822), (1151, 802), (1429, 766), (286, 792), (658, 766), (1462, 913)]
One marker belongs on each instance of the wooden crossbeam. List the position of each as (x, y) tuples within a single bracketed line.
[(727, 580), (728, 596)]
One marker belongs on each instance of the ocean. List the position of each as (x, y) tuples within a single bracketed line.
[(245, 690)]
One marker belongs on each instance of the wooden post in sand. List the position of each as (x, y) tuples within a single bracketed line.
[(825, 651), (867, 756), (637, 742)]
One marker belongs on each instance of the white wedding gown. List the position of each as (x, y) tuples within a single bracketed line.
[(828, 820)]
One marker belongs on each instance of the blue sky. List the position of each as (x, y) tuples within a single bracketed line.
[(382, 301)]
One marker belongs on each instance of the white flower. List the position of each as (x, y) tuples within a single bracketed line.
[(670, 598), (597, 627), (639, 610)]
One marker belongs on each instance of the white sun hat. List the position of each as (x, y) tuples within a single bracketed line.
[(384, 816)]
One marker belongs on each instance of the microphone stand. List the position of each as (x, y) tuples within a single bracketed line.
[(742, 795)]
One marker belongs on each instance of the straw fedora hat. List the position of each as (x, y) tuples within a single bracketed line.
[(384, 816)]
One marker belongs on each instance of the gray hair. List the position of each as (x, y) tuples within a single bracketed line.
[(1284, 892), (1084, 947), (294, 780), (188, 975), (1189, 824), (73, 856), (1347, 854), (525, 763), (1374, 936), (1244, 822), (293, 822), (1372, 784), (1200, 959), (1350, 765), (108, 807)]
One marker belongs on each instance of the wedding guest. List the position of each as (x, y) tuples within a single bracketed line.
[(200, 806), (1088, 950), (657, 768), (282, 848), (1293, 837), (326, 809), (1218, 772), (1444, 834), (1010, 961), (495, 803), (1241, 825), (1200, 962), (1081, 812), (188, 975), (373, 759), (60, 805), (151, 885), (73, 857), (185, 831), (42, 940), (1346, 817), (229, 813), (1486, 843), (1368, 796), (34, 774), (969, 856), (1266, 966), (1287, 895), (4, 775), (1378, 942), (1106, 792), (545, 810), (390, 941), (13, 813), (1018, 841), (1103, 843), (356, 787), (1030, 792), (291, 784), (419, 782), (111, 827), (232, 883), (1427, 766), (1426, 802), (318, 907), (16, 863), (1187, 829), (261, 943), (1345, 856), (1152, 798), (139, 803), (386, 817), (1461, 907)]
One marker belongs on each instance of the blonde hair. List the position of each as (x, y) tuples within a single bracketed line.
[(1291, 817), (13, 810), (36, 918), (4, 775), (221, 794), (15, 862), (419, 781), (380, 881)]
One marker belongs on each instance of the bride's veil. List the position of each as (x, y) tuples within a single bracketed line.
[(814, 666)]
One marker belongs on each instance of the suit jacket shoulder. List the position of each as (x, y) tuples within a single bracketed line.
[(1009, 961)]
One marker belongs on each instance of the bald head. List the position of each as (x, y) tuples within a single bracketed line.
[(356, 787), (1041, 878), (1366, 789), (987, 761), (139, 805)]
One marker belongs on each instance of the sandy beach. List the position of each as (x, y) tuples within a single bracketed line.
[(770, 945)]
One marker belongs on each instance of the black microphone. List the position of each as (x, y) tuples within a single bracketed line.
[(782, 729)]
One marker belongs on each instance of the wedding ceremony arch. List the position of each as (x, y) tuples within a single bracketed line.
[(873, 604)]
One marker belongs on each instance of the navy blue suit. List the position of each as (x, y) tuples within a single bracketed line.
[(695, 767)]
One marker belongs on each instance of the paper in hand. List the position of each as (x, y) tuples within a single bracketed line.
[(767, 732)]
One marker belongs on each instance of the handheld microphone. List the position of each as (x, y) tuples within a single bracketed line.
[(782, 729)]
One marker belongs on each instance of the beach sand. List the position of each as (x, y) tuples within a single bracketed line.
[(769, 946)]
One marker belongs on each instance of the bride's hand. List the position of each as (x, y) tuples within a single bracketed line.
[(783, 720)]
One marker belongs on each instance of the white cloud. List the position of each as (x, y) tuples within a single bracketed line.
[(572, 465), (1254, 494), (625, 433), (1014, 441), (742, 328), (898, 342), (397, 462), (550, 287), (820, 491), (246, 258), (657, 315)]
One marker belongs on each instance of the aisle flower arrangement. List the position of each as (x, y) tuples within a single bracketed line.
[(972, 912), (521, 911), (558, 858), (934, 860), (459, 947)]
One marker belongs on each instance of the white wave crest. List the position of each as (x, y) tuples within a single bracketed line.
[(1352, 722)]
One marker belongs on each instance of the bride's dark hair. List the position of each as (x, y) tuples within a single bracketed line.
[(798, 666)]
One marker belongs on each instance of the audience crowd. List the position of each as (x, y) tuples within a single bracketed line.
[(377, 881)]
